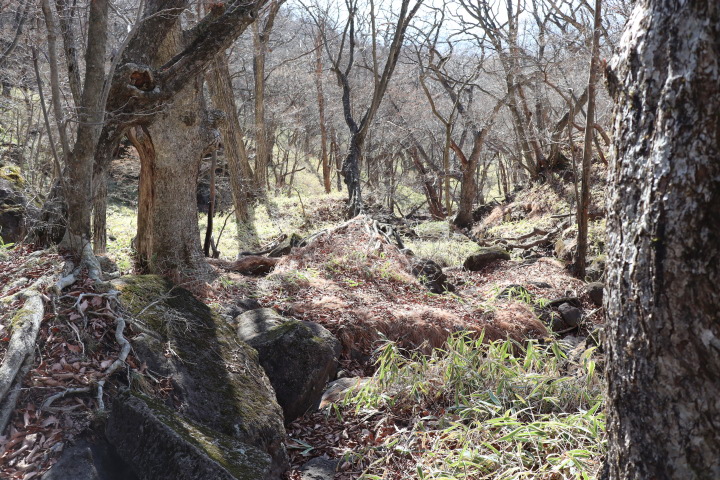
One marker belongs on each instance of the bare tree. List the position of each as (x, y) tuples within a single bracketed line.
[(380, 80)]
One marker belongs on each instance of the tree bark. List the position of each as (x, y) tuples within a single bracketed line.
[(99, 224), (664, 245)]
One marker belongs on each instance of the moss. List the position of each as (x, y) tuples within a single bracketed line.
[(13, 174), (17, 320), (223, 449)]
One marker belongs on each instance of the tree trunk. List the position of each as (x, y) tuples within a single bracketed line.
[(262, 152), (664, 245), (80, 161), (99, 223), (335, 153), (168, 235), (584, 203), (241, 174), (321, 111), (351, 173), (434, 201), (171, 149)]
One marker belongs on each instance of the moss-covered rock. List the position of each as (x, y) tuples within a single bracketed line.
[(299, 357), (217, 380), (159, 444)]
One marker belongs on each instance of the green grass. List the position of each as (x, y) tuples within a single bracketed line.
[(486, 411), (436, 242)]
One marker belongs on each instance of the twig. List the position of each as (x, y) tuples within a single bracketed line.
[(68, 391)]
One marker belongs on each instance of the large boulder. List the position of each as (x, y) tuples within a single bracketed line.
[(13, 205), (166, 446), (299, 357), (216, 378), (485, 257)]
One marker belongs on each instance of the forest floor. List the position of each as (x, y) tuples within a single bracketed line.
[(468, 384)]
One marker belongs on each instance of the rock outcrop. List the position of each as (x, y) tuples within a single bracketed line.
[(431, 275), (298, 357), (216, 378), (166, 446)]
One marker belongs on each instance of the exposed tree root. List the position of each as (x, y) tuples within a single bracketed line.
[(124, 352)]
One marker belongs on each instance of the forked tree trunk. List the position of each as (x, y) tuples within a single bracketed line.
[(664, 245)]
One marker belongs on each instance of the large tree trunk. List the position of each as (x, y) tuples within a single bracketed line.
[(171, 149), (168, 235), (80, 161), (664, 245)]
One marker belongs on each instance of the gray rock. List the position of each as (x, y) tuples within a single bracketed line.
[(90, 460), (319, 468), (162, 445), (484, 258), (595, 292), (217, 380), (298, 357), (570, 315), (431, 275)]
